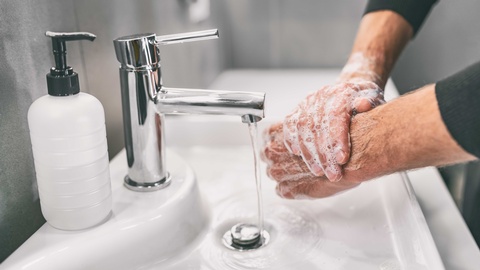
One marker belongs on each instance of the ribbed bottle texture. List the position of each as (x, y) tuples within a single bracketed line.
[(71, 160)]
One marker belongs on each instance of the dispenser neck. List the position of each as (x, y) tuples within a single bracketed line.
[(60, 55), (62, 80)]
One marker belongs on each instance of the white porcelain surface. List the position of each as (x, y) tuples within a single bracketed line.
[(376, 226)]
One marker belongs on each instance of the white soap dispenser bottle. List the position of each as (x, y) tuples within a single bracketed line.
[(67, 130)]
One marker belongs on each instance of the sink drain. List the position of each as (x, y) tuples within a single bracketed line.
[(243, 237)]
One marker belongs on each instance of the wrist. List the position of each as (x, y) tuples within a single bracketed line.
[(364, 67)]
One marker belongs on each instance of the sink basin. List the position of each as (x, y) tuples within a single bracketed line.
[(376, 226)]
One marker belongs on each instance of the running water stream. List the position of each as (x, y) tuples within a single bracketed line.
[(258, 178), (245, 236)]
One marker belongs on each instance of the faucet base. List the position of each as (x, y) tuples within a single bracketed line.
[(147, 187)]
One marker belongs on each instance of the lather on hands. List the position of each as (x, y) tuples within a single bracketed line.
[(294, 180), (316, 133), (318, 128)]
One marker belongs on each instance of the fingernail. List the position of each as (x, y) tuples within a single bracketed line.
[(333, 175), (295, 149), (317, 170), (341, 157)]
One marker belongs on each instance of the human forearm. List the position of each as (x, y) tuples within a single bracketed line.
[(381, 37), (386, 28), (406, 133)]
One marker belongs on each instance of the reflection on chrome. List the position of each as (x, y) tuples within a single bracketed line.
[(145, 101)]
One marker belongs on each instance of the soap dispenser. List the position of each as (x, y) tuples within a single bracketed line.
[(67, 130)]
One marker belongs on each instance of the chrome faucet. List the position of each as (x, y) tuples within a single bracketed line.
[(145, 101)]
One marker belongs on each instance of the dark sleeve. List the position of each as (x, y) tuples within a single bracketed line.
[(458, 98), (414, 11)]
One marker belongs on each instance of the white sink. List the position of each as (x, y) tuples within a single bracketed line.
[(376, 226)]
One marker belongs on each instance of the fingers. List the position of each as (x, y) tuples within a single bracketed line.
[(290, 124), (289, 172), (307, 144), (323, 135), (276, 152), (318, 132), (295, 181), (290, 132), (288, 190), (285, 166), (369, 97), (362, 105), (273, 144), (336, 133), (335, 149), (272, 131), (282, 165)]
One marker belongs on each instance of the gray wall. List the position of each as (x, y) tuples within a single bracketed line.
[(25, 59), (448, 42), (292, 34)]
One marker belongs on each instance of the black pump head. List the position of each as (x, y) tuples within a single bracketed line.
[(62, 80)]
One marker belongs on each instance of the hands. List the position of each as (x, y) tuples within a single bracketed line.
[(318, 128), (317, 131), (371, 157), (404, 134), (295, 181)]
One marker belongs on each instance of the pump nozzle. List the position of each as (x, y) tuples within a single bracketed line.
[(62, 80)]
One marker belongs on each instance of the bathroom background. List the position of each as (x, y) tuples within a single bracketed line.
[(266, 34)]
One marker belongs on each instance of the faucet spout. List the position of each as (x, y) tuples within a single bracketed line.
[(198, 101), (145, 101)]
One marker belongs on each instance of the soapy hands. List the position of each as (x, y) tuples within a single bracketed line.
[(318, 128), (294, 179), (383, 141), (312, 153)]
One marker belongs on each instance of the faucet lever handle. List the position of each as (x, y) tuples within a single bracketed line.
[(186, 37)]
